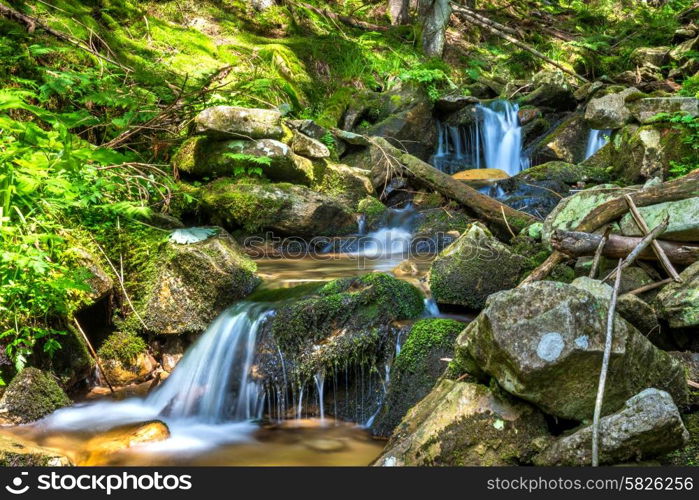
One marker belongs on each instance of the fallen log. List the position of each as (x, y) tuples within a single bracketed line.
[(678, 189), (497, 215), (579, 244)]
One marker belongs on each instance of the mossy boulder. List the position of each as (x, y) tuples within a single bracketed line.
[(461, 423), (372, 210), (610, 111), (564, 172), (202, 157), (551, 95), (637, 153), (346, 320), (683, 224), (571, 210), (678, 303), (14, 452), (349, 184), (125, 359), (650, 56), (31, 395), (416, 368), (283, 208), (190, 284), (544, 343), (646, 110), (307, 146), (225, 122), (473, 267), (647, 426), (567, 142)]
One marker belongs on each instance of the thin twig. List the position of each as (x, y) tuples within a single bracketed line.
[(605, 368), (94, 354), (502, 209), (598, 252), (650, 286), (659, 252)]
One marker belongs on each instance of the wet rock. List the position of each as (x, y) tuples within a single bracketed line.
[(125, 359), (473, 267), (31, 395), (609, 111), (654, 56), (527, 114), (326, 445), (172, 353), (544, 342), (402, 115), (306, 146), (223, 122), (454, 102), (647, 426), (678, 303), (573, 209), (14, 452), (461, 423), (567, 142), (191, 284), (283, 208), (684, 51), (348, 184), (100, 449), (645, 110), (201, 157), (345, 320), (480, 177), (416, 369), (683, 224), (551, 95), (562, 172)]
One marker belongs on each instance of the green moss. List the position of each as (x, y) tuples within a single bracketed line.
[(122, 346), (31, 395), (689, 455), (425, 336)]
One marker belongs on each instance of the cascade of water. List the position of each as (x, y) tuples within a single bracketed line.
[(596, 140), (501, 136), (392, 240), (431, 308), (319, 379)]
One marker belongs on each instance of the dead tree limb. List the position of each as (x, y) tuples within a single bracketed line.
[(678, 189), (605, 368), (498, 32), (650, 286), (598, 252), (641, 223), (578, 244), (642, 245), (471, 13), (349, 21), (93, 354), (498, 215), (32, 23)]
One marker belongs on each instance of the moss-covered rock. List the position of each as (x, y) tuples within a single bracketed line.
[(648, 425), (638, 153), (190, 284), (567, 142), (646, 110), (15, 452), (372, 210), (461, 423), (125, 358), (31, 395), (544, 342), (307, 146), (683, 224), (610, 110), (349, 184), (473, 267), (347, 320), (416, 369), (239, 123), (202, 157), (678, 303), (283, 208)]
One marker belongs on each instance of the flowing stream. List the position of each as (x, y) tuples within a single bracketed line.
[(596, 140)]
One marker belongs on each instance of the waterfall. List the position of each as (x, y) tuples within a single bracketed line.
[(502, 137), (493, 141), (209, 398), (596, 140)]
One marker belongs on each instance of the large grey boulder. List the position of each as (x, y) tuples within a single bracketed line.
[(473, 267), (544, 342), (609, 111), (225, 122), (678, 303), (647, 426), (653, 56), (567, 142), (644, 110), (192, 283), (683, 224), (307, 146), (461, 423)]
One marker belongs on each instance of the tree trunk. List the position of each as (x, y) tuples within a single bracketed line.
[(399, 11), (578, 244), (435, 26)]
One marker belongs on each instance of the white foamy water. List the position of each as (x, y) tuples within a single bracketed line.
[(596, 140)]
